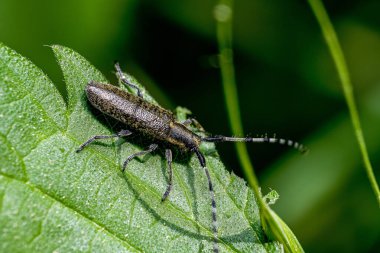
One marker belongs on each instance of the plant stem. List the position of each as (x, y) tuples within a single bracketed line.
[(340, 63), (273, 226), (223, 15)]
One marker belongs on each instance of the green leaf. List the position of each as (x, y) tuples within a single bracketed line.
[(340, 63), (277, 228), (53, 199)]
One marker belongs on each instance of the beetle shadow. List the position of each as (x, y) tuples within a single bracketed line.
[(184, 160), (161, 219), (243, 236)]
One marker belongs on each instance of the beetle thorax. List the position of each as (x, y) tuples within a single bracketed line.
[(182, 137)]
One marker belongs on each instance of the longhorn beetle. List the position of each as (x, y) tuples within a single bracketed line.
[(143, 117)]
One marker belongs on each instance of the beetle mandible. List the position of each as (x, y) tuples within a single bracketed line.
[(143, 117)]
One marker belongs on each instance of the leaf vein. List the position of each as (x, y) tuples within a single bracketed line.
[(10, 146), (77, 212), (232, 199), (34, 99), (182, 185)]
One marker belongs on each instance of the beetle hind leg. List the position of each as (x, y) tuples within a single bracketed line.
[(151, 148)]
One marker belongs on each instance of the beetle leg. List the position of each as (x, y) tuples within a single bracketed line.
[(194, 122), (122, 133), (169, 159), (124, 79), (151, 148)]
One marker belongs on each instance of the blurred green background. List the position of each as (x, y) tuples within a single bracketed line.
[(287, 86)]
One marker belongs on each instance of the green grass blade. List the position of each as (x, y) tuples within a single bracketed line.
[(340, 63), (274, 227), (223, 15)]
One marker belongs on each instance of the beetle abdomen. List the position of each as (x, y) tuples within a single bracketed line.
[(131, 110)]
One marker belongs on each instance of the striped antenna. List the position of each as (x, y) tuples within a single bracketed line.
[(220, 138)]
